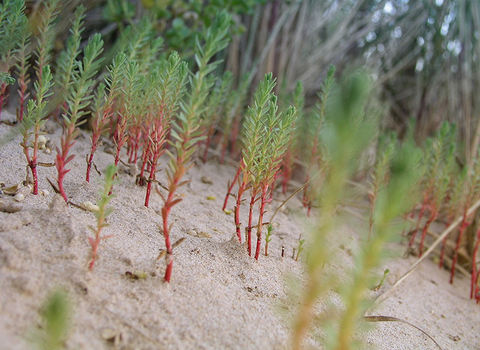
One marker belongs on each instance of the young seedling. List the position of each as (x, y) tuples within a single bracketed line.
[(268, 238), (186, 132), (55, 322), (149, 63), (274, 142), (133, 100), (104, 105), (79, 98), (12, 25), (300, 248), (102, 213), (382, 281), (169, 90), (34, 119), (434, 172), (253, 129), (441, 185)]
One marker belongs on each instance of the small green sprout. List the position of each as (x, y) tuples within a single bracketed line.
[(377, 288), (55, 322), (268, 238), (102, 213), (300, 248)]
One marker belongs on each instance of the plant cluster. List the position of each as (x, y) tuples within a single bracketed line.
[(150, 104), (266, 137)]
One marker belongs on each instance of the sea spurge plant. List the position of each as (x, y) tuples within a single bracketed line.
[(132, 101), (79, 97), (185, 131), (33, 121), (439, 193), (12, 25), (253, 129), (274, 142), (102, 213), (313, 150), (167, 94), (104, 104), (436, 168)]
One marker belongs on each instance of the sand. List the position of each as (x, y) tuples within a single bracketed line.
[(219, 297)]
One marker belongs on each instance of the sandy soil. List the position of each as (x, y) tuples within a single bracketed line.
[(219, 297)]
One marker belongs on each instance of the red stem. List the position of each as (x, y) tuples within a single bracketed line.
[(98, 126), (420, 215), (444, 243), (145, 157), (433, 216), (249, 227), (63, 159), (149, 184), (2, 94), (241, 190), (225, 202), (264, 201)]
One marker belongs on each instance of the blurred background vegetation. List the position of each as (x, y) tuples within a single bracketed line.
[(423, 55)]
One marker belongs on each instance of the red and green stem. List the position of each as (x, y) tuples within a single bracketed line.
[(155, 155), (2, 96), (32, 161), (96, 133), (263, 202), (63, 159), (230, 188), (432, 218), (171, 200), (253, 200), (420, 216)]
